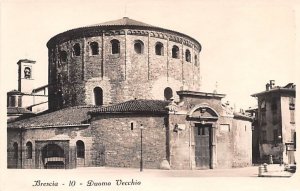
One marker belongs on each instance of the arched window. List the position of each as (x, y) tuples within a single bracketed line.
[(80, 149), (27, 73), (168, 93), (187, 55), (196, 60), (15, 150), (63, 56), (76, 49), (98, 95), (159, 49), (115, 46), (29, 150), (139, 47), (175, 52), (94, 48), (132, 125)]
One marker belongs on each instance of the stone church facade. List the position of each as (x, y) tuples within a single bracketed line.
[(106, 81)]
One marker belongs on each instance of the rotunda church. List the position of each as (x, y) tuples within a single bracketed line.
[(120, 60), (123, 94)]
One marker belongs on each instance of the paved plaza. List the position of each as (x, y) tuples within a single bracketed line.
[(251, 171)]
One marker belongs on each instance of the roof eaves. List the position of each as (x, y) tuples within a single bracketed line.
[(120, 26), (243, 117), (276, 90), (93, 113), (50, 126), (26, 61)]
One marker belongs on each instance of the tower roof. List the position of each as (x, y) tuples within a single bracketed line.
[(26, 61), (119, 24), (125, 21)]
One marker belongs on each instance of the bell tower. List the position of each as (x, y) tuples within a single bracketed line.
[(25, 75)]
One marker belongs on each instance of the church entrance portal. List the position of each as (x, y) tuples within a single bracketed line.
[(202, 146)]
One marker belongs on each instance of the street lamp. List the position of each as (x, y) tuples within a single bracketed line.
[(141, 163), (280, 149)]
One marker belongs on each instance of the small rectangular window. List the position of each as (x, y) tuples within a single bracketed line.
[(131, 126)]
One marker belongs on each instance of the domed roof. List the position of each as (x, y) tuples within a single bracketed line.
[(120, 24), (125, 21)]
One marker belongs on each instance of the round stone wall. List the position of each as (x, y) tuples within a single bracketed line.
[(104, 65)]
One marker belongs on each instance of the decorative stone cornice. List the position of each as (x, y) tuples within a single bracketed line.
[(138, 32)]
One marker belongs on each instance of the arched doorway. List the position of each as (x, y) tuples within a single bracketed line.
[(204, 118), (53, 156)]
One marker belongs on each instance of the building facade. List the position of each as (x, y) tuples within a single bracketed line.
[(276, 127), (106, 82)]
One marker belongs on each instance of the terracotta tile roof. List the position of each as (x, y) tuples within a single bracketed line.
[(125, 21), (242, 116), (15, 92), (97, 29), (135, 106), (18, 110), (64, 117)]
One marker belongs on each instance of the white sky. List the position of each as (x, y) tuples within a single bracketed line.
[(244, 43)]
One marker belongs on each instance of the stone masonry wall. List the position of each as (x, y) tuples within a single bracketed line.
[(122, 76), (121, 145), (242, 143), (225, 143), (182, 152)]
